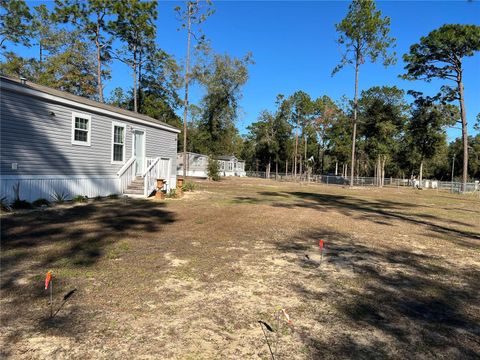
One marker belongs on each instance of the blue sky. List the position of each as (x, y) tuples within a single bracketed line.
[(294, 48)]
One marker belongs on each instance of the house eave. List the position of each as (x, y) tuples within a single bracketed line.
[(19, 88)]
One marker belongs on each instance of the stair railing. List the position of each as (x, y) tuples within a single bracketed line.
[(150, 177), (126, 174)]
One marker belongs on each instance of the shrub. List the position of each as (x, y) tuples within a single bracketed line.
[(4, 204), (189, 186), (80, 198), (213, 169), (41, 202), (21, 205), (113, 196), (172, 194), (18, 204), (60, 198)]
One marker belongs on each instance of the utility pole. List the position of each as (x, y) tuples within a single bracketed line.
[(187, 70)]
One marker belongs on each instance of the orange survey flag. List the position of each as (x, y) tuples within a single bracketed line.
[(48, 279)]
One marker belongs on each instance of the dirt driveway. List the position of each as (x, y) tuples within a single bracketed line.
[(190, 278)]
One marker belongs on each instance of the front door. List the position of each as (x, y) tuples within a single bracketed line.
[(139, 151)]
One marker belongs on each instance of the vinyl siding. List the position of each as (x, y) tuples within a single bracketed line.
[(40, 143)]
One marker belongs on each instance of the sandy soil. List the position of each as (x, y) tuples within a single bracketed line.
[(191, 278)]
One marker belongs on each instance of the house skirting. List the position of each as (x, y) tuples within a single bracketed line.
[(33, 187), (203, 173), (193, 173), (233, 173)]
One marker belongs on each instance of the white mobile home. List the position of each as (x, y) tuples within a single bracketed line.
[(197, 165), (53, 141)]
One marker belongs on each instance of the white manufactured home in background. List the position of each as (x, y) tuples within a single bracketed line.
[(56, 142), (197, 165)]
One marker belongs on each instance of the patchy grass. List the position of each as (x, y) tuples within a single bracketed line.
[(191, 278)]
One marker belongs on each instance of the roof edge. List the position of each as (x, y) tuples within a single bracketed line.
[(48, 93)]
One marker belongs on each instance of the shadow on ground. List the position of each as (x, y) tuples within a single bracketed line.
[(383, 212), (400, 304), (72, 239)]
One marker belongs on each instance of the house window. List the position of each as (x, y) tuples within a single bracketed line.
[(230, 166), (118, 142), (222, 165), (81, 125)]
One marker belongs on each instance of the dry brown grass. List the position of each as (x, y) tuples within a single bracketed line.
[(190, 278)]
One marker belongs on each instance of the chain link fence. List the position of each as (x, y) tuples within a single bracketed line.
[(454, 187)]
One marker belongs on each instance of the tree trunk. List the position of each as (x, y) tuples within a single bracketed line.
[(286, 167), (420, 177), (185, 101), (135, 79), (379, 175), (139, 83), (336, 168), (305, 157), (276, 169), (322, 170), (41, 51), (384, 160), (355, 106), (296, 150), (379, 172), (301, 167), (99, 65), (463, 114)]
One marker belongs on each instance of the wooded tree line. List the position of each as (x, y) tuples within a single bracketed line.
[(384, 135), (394, 138), (379, 132)]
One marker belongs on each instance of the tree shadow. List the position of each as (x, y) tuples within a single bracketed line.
[(417, 305), (72, 239), (273, 193), (378, 211)]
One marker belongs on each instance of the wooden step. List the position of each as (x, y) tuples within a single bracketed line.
[(135, 186), (134, 192)]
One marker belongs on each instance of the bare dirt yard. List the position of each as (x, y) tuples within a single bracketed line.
[(190, 278)]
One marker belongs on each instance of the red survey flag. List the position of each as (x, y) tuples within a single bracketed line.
[(48, 279), (320, 243)]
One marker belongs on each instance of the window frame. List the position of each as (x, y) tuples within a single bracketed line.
[(89, 129), (124, 126)]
